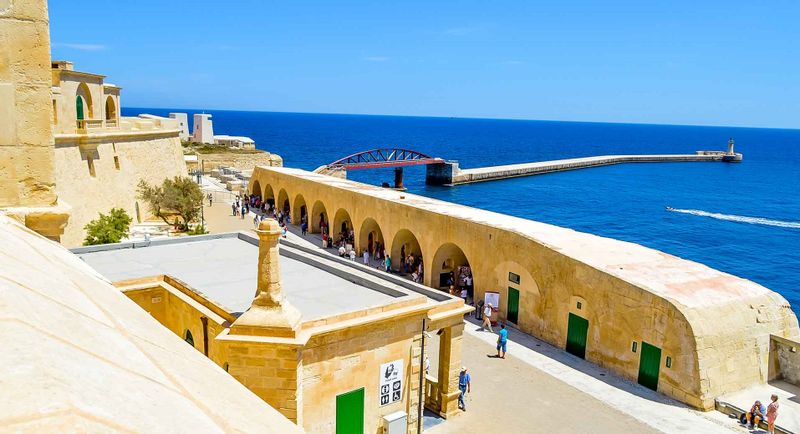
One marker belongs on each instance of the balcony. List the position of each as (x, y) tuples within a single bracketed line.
[(85, 126)]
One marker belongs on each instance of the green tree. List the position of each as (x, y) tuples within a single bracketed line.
[(179, 199), (109, 228)]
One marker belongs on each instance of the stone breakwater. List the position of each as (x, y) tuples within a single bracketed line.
[(450, 174)]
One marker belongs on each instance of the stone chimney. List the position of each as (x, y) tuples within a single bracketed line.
[(270, 314)]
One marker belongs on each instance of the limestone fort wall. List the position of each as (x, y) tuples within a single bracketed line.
[(120, 160), (714, 327)]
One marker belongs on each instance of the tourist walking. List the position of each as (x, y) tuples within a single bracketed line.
[(387, 263), (256, 220), (304, 228), (487, 318), (365, 255), (233, 208), (464, 385), (502, 340), (772, 414), (210, 199)]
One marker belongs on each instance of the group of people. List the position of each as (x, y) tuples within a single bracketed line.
[(759, 413), (410, 264)]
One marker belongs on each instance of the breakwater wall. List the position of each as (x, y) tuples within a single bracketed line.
[(450, 174)]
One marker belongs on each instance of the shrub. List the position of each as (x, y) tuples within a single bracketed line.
[(109, 228)]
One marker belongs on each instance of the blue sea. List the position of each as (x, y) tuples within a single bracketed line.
[(740, 218)]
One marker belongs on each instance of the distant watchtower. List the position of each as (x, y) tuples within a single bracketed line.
[(203, 130), (730, 146)]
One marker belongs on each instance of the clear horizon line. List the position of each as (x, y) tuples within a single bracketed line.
[(473, 118)]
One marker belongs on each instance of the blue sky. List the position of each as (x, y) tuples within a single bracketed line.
[(680, 62)]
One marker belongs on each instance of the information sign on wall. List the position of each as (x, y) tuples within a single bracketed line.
[(391, 382)]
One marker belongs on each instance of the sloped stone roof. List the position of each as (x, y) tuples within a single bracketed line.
[(79, 356)]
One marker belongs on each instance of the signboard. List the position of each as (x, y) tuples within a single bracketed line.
[(391, 382), (493, 298)]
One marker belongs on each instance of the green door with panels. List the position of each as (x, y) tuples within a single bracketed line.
[(350, 412), (512, 313), (649, 364), (577, 330)]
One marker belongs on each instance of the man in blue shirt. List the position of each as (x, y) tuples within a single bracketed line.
[(501, 342), (464, 386)]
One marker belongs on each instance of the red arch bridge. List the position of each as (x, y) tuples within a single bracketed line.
[(379, 158)]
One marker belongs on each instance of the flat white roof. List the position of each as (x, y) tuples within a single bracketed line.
[(239, 138), (225, 270)]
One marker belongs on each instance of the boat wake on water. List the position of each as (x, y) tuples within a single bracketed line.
[(738, 218)]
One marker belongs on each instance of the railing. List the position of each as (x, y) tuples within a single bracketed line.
[(432, 395), (85, 125)]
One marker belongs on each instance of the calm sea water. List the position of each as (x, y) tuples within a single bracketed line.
[(740, 218)]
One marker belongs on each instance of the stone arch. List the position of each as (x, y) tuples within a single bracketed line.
[(511, 274), (369, 236), (255, 188), (318, 214), (283, 204), (341, 223), (447, 259), (111, 108), (83, 98), (268, 195), (299, 209), (404, 242)]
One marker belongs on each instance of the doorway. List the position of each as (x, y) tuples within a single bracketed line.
[(649, 365), (577, 330), (512, 312), (350, 412)]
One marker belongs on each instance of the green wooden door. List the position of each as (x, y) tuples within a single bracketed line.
[(79, 107), (577, 330), (350, 412), (512, 313), (649, 364)]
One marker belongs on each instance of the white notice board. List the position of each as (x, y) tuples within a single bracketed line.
[(391, 382), (493, 298)]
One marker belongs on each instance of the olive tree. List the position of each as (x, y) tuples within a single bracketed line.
[(179, 199)]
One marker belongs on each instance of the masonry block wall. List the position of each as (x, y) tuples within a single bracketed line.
[(715, 344)]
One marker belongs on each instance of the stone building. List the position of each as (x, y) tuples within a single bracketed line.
[(203, 129), (100, 156), (316, 340), (676, 326)]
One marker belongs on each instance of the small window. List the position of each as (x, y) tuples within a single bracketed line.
[(90, 163), (669, 362), (116, 162), (225, 366), (634, 346), (188, 338), (579, 305), (514, 278)]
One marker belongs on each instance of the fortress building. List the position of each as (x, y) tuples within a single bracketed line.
[(672, 325), (99, 156)]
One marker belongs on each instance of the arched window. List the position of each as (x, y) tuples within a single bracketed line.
[(188, 337), (111, 109)]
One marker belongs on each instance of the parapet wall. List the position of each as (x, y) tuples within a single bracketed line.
[(713, 327)]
